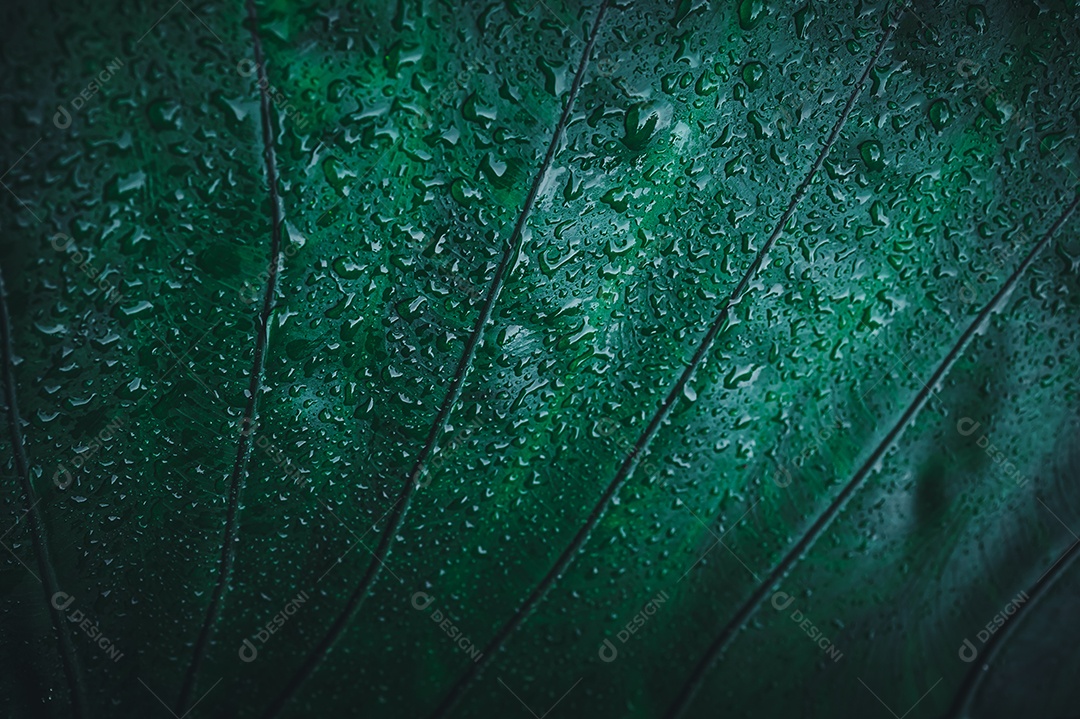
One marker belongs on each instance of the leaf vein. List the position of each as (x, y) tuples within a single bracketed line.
[(401, 504)]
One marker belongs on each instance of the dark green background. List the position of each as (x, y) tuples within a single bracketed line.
[(415, 132)]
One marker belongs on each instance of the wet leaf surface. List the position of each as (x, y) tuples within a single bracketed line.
[(716, 358)]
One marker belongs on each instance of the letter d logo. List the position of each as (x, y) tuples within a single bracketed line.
[(248, 652), (782, 596), (60, 242), (62, 118), (422, 600), (967, 68), (608, 652), (967, 426), (968, 652), (781, 477), (62, 479), (64, 597)]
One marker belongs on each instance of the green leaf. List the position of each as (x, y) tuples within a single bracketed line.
[(610, 359)]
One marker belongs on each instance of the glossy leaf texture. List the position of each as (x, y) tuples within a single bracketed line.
[(857, 495)]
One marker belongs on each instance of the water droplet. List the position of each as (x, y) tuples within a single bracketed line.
[(940, 114), (750, 13), (873, 156), (753, 74), (976, 18)]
